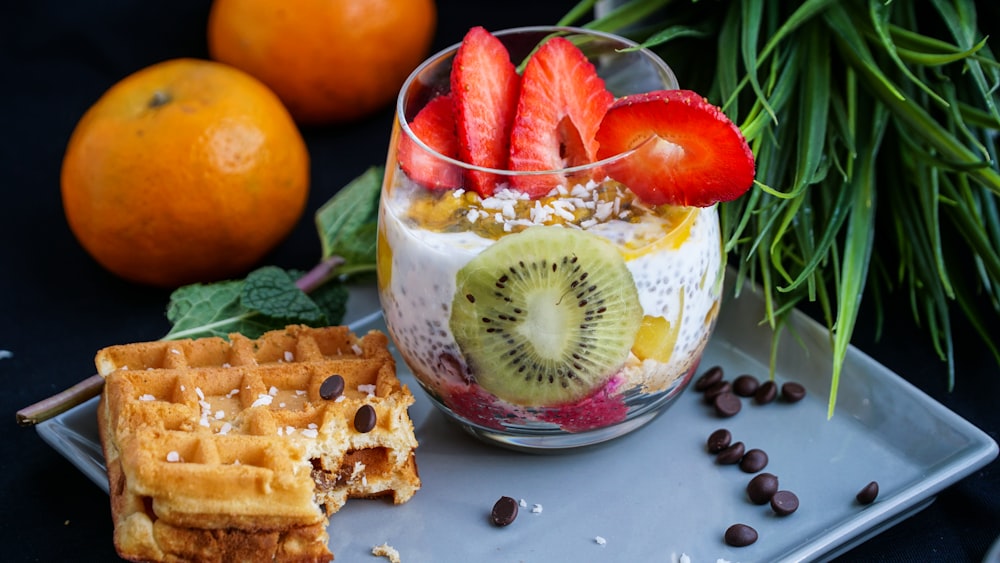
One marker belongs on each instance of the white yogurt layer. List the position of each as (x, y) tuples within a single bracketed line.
[(675, 281)]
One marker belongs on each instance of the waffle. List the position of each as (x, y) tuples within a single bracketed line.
[(225, 450)]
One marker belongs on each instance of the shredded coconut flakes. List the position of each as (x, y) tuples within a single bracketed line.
[(387, 551), (262, 400)]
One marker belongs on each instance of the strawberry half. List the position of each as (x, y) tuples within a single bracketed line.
[(485, 85), (559, 111), (695, 156), (435, 126)]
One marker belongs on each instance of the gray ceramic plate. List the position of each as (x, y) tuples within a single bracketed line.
[(657, 495), (993, 556)]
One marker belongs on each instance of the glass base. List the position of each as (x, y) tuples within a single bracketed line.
[(558, 443), (549, 438)]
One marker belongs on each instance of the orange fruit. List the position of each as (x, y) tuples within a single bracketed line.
[(328, 60), (185, 171)]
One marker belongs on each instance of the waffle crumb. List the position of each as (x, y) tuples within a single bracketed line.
[(387, 551)]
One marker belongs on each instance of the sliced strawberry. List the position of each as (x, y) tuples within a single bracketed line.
[(435, 126), (484, 84), (560, 109), (696, 155)]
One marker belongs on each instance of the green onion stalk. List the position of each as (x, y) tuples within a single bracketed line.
[(871, 121)]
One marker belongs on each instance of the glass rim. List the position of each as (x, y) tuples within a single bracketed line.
[(569, 170)]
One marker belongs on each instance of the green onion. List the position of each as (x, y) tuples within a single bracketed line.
[(874, 125)]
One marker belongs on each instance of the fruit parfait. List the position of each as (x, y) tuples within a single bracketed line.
[(549, 254)]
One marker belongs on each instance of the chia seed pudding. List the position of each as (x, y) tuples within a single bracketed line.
[(673, 254)]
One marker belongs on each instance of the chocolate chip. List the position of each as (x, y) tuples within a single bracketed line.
[(732, 454), (727, 404), (717, 389), (332, 387), (364, 419), (745, 385), (754, 460), (709, 378), (766, 392), (740, 535), (761, 488), (868, 494), (719, 440), (784, 503), (793, 392), (504, 511)]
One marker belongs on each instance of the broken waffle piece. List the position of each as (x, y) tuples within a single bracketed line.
[(387, 551), (222, 450)]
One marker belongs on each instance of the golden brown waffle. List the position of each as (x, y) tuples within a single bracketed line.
[(220, 451)]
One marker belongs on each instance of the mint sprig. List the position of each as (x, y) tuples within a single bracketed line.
[(270, 297)]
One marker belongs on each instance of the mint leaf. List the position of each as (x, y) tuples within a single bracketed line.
[(267, 299), (272, 292), (331, 297), (359, 249), (347, 223), (214, 309)]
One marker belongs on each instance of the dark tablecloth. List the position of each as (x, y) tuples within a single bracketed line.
[(57, 307)]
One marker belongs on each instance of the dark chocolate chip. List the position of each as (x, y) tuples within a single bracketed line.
[(709, 378), (766, 393), (754, 460), (332, 387), (784, 503), (792, 392), (731, 455), (868, 494), (364, 419), (740, 535), (745, 385), (761, 488), (504, 511), (727, 404), (719, 440), (717, 389)]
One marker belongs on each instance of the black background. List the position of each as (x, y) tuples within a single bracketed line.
[(57, 307)]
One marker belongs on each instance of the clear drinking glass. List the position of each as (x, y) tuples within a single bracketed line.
[(432, 244)]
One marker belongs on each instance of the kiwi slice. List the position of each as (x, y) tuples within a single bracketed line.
[(545, 316)]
